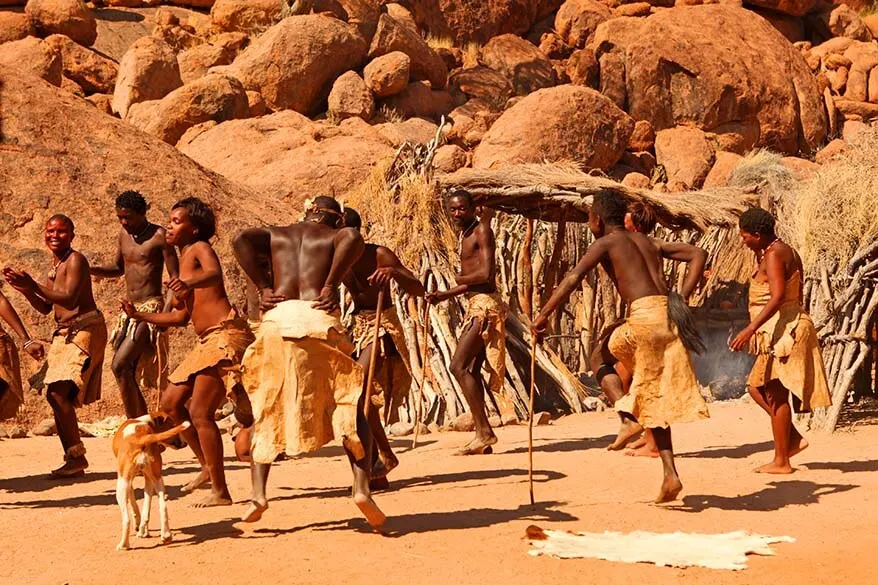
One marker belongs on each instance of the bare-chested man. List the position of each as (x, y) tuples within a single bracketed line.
[(642, 219), (141, 349), (11, 393), (211, 372), (373, 272), (72, 371), (302, 382), (483, 340), (664, 390)]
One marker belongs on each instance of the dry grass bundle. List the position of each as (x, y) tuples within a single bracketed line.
[(407, 216), (763, 172), (834, 214)]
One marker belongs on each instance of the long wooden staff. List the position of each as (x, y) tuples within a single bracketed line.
[(530, 425), (376, 339), (426, 351)]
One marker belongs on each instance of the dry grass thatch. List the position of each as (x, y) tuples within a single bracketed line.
[(406, 216), (541, 191), (828, 218)]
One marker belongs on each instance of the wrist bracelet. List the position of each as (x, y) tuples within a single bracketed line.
[(28, 343)]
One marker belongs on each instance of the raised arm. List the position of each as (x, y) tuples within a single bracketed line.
[(569, 283), (248, 246), (349, 247), (694, 257), (9, 314), (115, 269), (27, 286), (774, 268), (390, 268)]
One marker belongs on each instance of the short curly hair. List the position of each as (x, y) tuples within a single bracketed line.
[(201, 216), (131, 200), (757, 221), (610, 207), (643, 217), (352, 219)]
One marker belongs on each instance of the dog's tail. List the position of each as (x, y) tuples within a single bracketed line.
[(680, 314), (163, 436)]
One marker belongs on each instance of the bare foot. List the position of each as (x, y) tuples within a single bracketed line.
[(797, 445), (637, 444), (644, 450), (671, 488), (775, 468), (167, 538), (254, 511), (629, 431), (374, 516), (74, 467), (213, 499), (202, 478), (478, 447)]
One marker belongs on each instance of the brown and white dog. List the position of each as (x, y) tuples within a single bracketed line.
[(137, 450)]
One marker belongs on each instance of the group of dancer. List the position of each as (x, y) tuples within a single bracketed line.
[(298, 378)]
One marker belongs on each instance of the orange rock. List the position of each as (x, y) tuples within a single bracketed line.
[(71, 18), (577, 20), (829, 151), (686, 154), (148, 71), (526, 67), (449, 158), (249, 16), (350, 98), (722, 169), (426, 64), (418, 100), (31, 55), (583, 68), (196, 62), (483, 82), (388, 74), (94, 73), (14, 26), (643, 137)]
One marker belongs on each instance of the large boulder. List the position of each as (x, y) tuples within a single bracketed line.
[(361, 14), (65, 17), (577, 20), (466, 21), (93, 72), (294, 63), (249, 16), (418, 100), (388, 74), (286, 157), (196, 62), (520, 61), (791, 7), (426, 64), (484, 83), (34, 56), (351, 98), (212, 97), (568, 122), (14, 26), (148, 71), (711, 67), (68, 157), (687, 155)]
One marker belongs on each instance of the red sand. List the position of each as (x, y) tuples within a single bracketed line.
[(455, 519)]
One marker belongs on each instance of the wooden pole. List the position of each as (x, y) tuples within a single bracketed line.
[(526, 293), (530, 424), (426, 353), (376, 339)]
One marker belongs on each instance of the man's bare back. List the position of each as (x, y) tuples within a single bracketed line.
[(301, 257), (633, 262)]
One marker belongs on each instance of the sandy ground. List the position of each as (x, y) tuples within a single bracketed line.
[(459, 520)]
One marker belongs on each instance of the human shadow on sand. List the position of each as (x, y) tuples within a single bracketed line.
[(548, 446), (483, 475), (403, 445), (432, 521), (779, 494), (738, 452), (845, 466)]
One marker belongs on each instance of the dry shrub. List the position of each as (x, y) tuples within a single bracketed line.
[(762, 172), (471, 53), (391, 115), (406, 218), (828, 218), (436, 42)]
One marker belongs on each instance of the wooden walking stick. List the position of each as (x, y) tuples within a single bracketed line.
[(376, 339), (530, 425), (426, 352)]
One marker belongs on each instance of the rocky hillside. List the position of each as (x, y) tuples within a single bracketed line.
[(256, 104)]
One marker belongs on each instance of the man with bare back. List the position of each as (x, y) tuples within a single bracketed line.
[(372, 273), (71, 373), (141, 357), (782, 337), (664, 390), (211, 372), (642, 219), (302, 382), (483, 341)]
